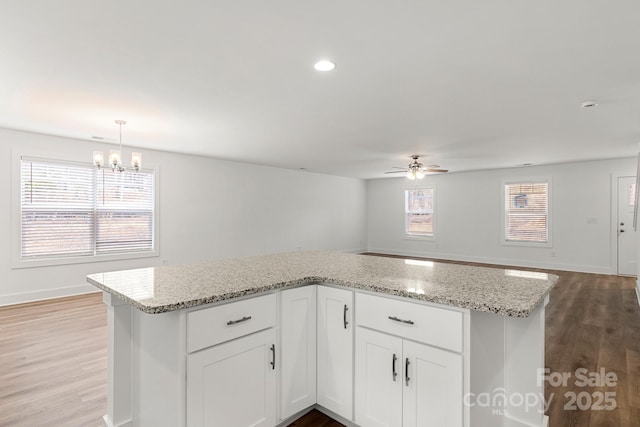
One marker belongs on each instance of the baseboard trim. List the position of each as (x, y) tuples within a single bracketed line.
[(354, 251), (24, 297), (106, 422), (498, 261), (294, 417), (335, 416)]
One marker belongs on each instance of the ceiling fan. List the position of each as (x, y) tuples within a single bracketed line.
[(417, 169)]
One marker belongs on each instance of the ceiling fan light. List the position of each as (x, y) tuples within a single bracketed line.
[(419, 174), (411, 174)]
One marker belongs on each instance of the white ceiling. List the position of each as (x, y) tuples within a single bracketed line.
[(470, 84)]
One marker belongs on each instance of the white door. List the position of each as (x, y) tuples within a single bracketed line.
[(233, 384), (298, 354), (335, 350), (432, 392), (379, 379), (627, 237)]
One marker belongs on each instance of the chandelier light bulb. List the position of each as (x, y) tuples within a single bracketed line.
[(98, 159), (136, 161), (114, 159)]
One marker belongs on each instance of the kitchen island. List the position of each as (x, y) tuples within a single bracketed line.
[(323, 322)]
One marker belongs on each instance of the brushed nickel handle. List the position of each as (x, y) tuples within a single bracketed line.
[(397, 319), (344, 316), (235, 322), (393, 366), (273, 360), (406, 371)]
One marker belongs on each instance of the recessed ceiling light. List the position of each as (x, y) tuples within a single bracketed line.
[(589, 104), (324, 65)]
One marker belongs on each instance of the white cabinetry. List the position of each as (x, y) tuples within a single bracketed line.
[(402, 383), (335, 350), (378, 379), (232, 384), (298, 350), (432, 393)]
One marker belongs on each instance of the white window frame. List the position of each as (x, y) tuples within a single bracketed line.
[(529, 180), (419, 236), (16, 225)]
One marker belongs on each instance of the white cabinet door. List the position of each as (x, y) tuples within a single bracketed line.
[(335, 350), (379, 379), (298, 354), (432, 390), (233, 384)]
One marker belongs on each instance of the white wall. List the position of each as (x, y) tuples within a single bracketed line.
[(209, 209), (468, 216)]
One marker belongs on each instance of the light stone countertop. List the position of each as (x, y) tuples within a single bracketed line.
[(161, 289)]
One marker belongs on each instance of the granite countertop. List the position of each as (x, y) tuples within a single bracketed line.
[(161, 289)]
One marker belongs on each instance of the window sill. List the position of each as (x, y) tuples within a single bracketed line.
[(419, 237), (18, 263), (527, 244)]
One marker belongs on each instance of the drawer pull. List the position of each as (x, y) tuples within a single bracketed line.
[(344, 316), (393, 366), (397, 319), (406, 371), (273, 361), (234, 322)]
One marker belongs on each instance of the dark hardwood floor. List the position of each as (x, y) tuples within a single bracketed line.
[(53, 356)]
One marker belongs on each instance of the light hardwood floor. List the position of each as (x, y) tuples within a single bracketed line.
[(53, 356)]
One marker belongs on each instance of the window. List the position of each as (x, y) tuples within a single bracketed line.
[(419, 212), (75, 210), (526, 212)]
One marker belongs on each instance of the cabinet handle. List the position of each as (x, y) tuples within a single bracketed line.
[(273, 360), (344, 316), (393, 366), (233, 322), (397, 319), (406, 371)]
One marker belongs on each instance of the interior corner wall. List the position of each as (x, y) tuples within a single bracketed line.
[(468, 216), (208, 209)]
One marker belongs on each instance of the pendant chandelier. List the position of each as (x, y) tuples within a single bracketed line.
[(115, 156)]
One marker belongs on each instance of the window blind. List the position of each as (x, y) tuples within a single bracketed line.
[(124, 212), (419, 211), (75, 210), (527, 212)]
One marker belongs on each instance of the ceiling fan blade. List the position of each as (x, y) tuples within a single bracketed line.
[(437, 170), (431, 166), (404, 171), (398, 167)]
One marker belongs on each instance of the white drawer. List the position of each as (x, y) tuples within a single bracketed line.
[(214, 325), (423, 323)]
